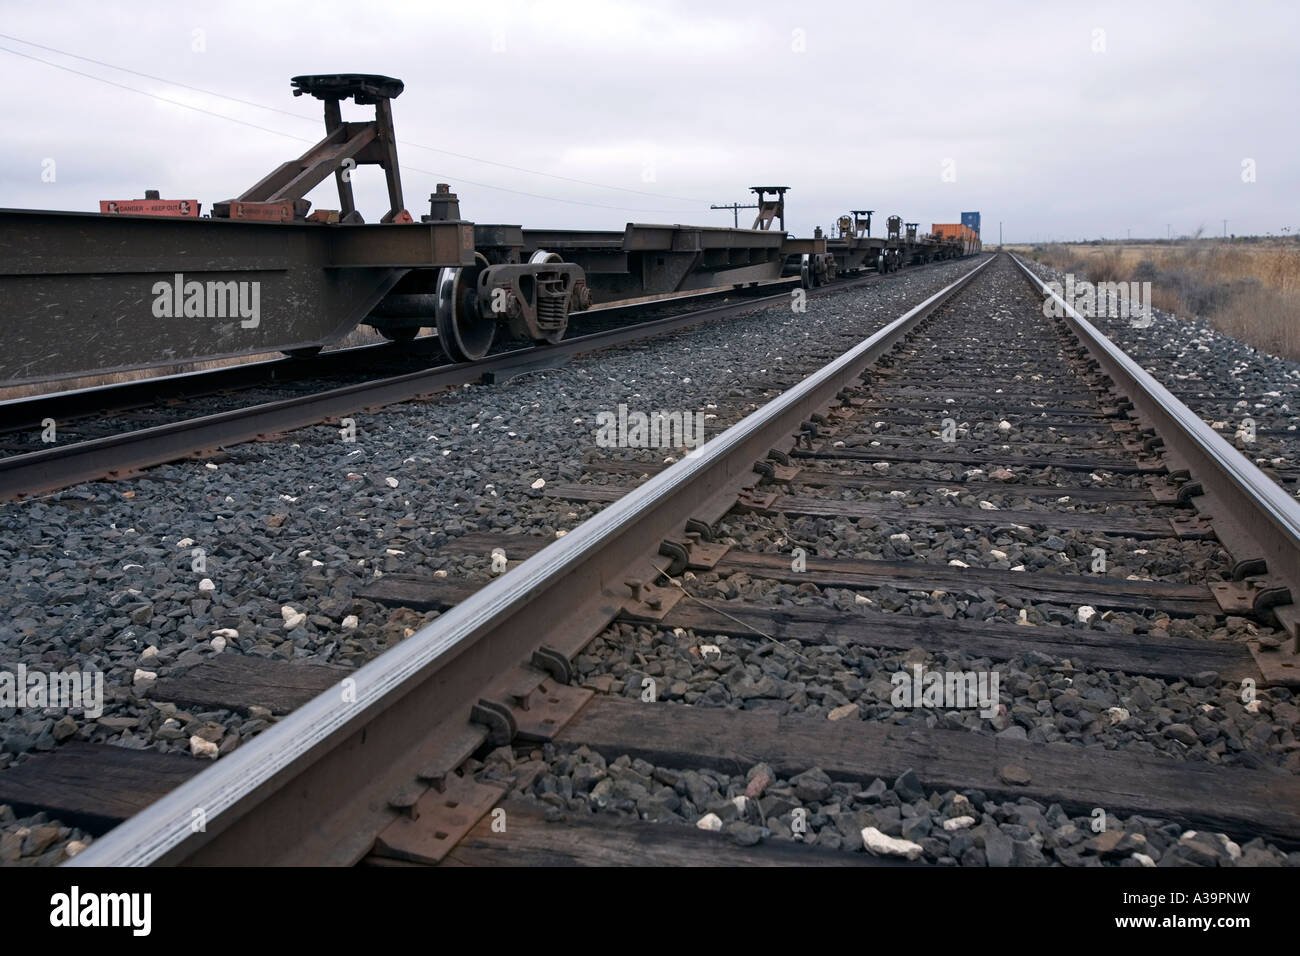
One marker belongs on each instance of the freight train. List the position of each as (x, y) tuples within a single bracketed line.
[(262, 272)]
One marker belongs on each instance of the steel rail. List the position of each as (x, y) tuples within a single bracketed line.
[(1252, 516), (26, 412), (61, 466), (289, 787)]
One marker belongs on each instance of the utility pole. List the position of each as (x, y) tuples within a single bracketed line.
[(735, 208), (1168, 231), (999, 232), (1130, 235), (1225, 229)]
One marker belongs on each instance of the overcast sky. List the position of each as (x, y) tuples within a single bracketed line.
[(1060, 120)]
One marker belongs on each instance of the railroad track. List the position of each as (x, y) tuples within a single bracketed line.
[(1247, 396), (706, 671), (125, 428)]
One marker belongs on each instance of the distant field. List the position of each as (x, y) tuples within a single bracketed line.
[(1248, 288)]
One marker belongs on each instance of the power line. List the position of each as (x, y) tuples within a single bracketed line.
[(308, 119), (301, 139)]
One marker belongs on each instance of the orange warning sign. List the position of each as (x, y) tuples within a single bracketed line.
[(186, 208)]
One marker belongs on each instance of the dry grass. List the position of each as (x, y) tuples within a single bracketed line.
[(361, 335), (1249, 289)]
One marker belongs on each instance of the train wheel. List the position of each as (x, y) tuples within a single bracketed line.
[(464, 334), (807, 276)]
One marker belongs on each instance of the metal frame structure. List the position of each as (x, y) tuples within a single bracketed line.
[(345, 146)]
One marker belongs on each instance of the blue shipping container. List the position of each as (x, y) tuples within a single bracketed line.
[(971, 219)]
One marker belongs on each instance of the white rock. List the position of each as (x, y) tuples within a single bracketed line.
[(988, 506), (881, 845), (707, 650), (880, 466), (185, 542), (209, 466), (1252, 707), (76, 846), (740, 802), (561, 533), (292, 617), (1117, 715), (218, 644), (206, 586), (997, 555), (1023, 620), (226, 633), (1086, 614), (710, 821), (958, 564), (899, 538), (391, 482), (958, 823), (1143, 859), (350, 622), (143, 676), (317, 564), (861, 599), (150, 653), (203, 748), (440, 574), (843, 712), (394, 553), (1004, 426)]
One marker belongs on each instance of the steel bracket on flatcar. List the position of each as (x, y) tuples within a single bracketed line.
[(280, 195)]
